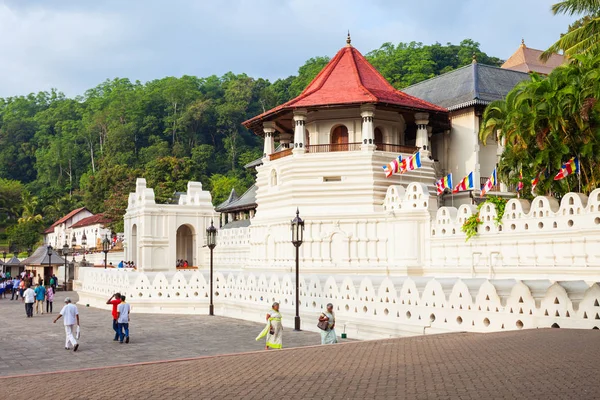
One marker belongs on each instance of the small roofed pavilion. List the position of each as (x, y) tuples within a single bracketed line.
[(349, 84)]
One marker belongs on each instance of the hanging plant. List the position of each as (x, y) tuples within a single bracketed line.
[(472, 223)]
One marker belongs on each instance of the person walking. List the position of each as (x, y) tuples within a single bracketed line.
[(15, 291), (22, 287), (274, 329), (71, 320), (123, 310), (115, 300), (328, 335), (40, 296), (28, 298), (49, 299)]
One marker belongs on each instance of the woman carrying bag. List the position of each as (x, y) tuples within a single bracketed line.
[(327, 325), (274, 329)]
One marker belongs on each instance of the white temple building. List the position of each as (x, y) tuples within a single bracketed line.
[(387, 252)]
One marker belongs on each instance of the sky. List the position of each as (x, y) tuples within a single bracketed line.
[(73, 45)]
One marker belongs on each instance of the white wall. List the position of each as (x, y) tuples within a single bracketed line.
[(365, 307)]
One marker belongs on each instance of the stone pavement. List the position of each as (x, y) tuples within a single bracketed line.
[(528, 364), (30, 345)]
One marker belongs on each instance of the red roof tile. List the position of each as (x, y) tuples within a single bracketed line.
[(350, 79), (94, 219), (64, 218)]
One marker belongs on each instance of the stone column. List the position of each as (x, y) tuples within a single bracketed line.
[(285, 139), (299, 131), (269, 147), (422, 140), (367, 112)]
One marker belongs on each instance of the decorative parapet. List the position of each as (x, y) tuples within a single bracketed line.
[(365, 307)]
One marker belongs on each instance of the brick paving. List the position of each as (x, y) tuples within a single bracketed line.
[(30, 345), (529, 364)]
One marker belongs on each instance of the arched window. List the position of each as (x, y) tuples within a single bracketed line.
[(273, 177), (379, 139), (339, 139)]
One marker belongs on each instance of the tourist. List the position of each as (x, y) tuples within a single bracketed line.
[(115, 300), (185, 264), (40, 297), (274, 329), (9, 286), (16, 286), (28, 297), (328, 335), (120, 265), (2, 288), (22, 287), (49, 299), (53, 282), (69, 311), (123, 310)]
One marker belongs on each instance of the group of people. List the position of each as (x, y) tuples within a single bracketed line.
[(125, 264), (182, 264), (37, 296), (120, 315), (274, 329)]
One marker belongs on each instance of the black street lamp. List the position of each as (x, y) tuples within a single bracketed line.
[(297, 238), (105, 248), (73, 244), (29, 251), (211, 242), (49, 252), (4, 255), (83, 244), (65, 253)]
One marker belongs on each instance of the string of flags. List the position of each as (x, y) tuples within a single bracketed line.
[(400, 166)]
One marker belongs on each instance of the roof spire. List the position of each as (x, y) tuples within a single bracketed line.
[(474, 58), (523, 42), (348, 40)]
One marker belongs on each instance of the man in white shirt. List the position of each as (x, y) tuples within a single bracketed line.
[(29, 299), (71, 315), (123, 310)]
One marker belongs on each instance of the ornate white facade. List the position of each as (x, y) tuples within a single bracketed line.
[(383, 250)]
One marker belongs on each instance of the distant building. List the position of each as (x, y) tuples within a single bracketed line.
[(79, 222), (528, 60)]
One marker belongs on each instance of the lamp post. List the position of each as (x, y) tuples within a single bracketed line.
[(73, 244), (83, 244), (65, 253), (49, 252), (105, 248), (4, 255), (211, 242), (297, 238)]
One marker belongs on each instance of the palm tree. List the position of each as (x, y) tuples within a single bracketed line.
[(545, 121), (582, 37), (30, 204)]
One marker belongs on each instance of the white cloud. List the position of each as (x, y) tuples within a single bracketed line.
[(74, 45)]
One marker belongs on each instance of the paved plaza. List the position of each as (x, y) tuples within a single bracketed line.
[(528, 364), (31, 345)]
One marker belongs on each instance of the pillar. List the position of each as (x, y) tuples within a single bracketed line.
[(299, 131), (422, 140), (367, 112), (285, 140), (269, 130)]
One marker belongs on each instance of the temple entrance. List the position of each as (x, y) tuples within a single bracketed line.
[(185, 245), (339, 139), (134, 246)]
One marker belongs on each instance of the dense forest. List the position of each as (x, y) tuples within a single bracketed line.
[(58, 153)]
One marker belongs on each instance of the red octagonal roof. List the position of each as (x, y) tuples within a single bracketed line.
[(350, 79)]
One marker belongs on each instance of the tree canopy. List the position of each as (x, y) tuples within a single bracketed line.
[(88, 150)]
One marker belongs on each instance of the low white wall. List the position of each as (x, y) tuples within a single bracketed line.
[(365, 307)]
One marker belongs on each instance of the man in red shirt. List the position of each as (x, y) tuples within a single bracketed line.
[(115, 300)]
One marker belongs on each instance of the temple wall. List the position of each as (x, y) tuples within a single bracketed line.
[(366, 307), (543, 238)]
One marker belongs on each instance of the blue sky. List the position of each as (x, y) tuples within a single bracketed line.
[(73, 45)]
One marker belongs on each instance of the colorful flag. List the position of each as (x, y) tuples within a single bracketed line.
[(491, 182), (568, 168), (414, 161), (520, 184), (466, 183), (443, 184), (393, 167)]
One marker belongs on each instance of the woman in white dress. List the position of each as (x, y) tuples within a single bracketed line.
[(328, 336)]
